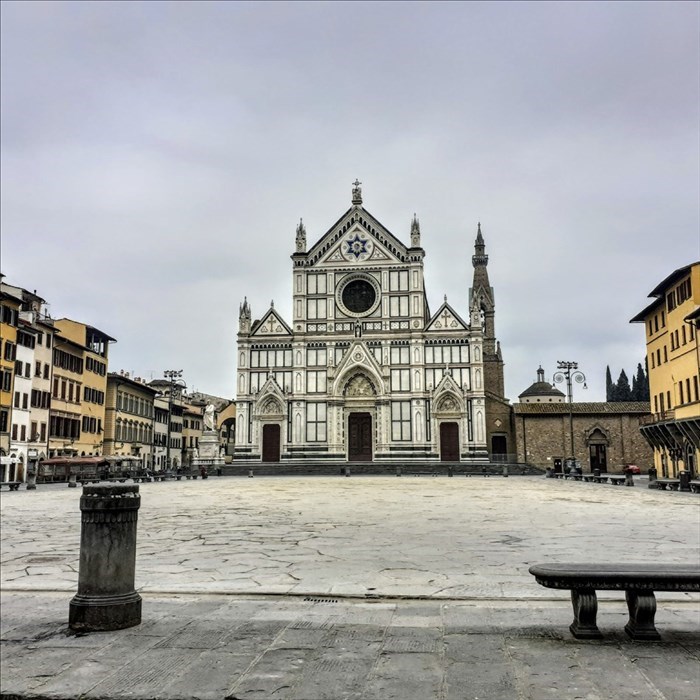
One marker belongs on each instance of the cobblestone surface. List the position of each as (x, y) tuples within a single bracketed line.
[(363, 588)]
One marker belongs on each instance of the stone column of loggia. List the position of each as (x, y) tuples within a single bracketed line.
[(106, 598)]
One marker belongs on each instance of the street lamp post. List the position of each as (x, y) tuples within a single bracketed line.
[(172, 375), (569, 372)]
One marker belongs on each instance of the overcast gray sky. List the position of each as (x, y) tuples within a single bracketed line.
[(156, 158)]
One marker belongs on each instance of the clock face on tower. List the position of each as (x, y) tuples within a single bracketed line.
[(358, 295)]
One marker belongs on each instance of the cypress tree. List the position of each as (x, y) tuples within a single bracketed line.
[(608, 384), (623, 391), (642, 384)]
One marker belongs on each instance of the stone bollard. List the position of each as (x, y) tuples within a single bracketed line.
[(106, 598), (347, 471), (505, 470), (250, 473), (450, 471), (398, 471), (652, 478), (629, 479), (72, 483), (684, 481)]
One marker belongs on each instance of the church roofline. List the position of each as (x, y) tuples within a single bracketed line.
[(315, 250)]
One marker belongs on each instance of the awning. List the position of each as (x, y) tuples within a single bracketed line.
[(75, 461)]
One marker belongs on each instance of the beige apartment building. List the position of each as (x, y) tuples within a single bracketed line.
[(129, 417)]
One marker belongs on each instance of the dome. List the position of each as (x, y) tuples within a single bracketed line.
[(542, 389)]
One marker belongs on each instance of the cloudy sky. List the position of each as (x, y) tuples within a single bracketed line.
[(156, 158)]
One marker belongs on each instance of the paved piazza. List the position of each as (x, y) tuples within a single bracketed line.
[(412, 588), (358, 536)]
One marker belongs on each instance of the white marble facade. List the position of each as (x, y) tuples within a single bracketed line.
[(364, 372)]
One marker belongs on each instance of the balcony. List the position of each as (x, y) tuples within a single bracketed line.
[(657, 418)]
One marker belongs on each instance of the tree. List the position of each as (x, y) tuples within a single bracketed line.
[(623, 391), (640, 385), (608, 385)]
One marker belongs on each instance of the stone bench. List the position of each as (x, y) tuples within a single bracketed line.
[(639, 581), (617, 480), (694, 486), (12, 485), (670, 484)]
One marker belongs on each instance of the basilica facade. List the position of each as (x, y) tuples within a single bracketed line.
[(364, 371)]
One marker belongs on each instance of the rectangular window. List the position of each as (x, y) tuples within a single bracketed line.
[(316, 284), (43, 425), (400, 380), (398, 306), (34, 433), (316, 382), (14, 431), (398, 281), (400, 420), (23, 433), (316, 422), (695, 388), (316, 357), (25, 401), (316, 309), (37, 369), (47, 369), (680, 392), (656, 323), (70, 391), (400, 355)]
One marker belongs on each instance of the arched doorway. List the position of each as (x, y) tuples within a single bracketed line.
[(598, 449), (271, 442)]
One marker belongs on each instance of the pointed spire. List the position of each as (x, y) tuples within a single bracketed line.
[(272, 304), (479, 258), (301, 237), (415, 232), (356, 192), (244, 317), (540, 374)]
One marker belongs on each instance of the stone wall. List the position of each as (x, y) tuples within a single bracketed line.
[(543, 434)]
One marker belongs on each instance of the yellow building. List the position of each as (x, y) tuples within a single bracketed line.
[(10, 305), (671, 323), (81, 356), (129, 414), (191, 430)]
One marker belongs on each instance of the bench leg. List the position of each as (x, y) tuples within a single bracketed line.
[(642, 609), (585, 604)]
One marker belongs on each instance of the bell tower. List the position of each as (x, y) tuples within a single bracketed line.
[(499, 420)]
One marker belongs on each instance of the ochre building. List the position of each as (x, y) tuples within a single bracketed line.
[(671, 324)]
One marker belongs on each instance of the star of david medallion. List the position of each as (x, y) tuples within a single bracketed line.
[(357, 248)]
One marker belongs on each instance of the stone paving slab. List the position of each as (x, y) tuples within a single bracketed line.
[(216, 647)]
